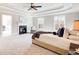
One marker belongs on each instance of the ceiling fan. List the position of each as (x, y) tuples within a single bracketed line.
[(34, 7)]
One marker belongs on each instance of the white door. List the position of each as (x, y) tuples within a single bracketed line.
[(6, 25)]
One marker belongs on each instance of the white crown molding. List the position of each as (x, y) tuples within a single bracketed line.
[(63, 9), (53, 9), (54, 13), (4, 9)]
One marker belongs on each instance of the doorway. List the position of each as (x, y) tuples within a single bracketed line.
[(6, 25)]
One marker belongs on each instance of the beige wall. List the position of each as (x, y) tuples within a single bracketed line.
[(49, 20), (70, 19), (0, 24), (15, 24), (15, 19), (25, 20)]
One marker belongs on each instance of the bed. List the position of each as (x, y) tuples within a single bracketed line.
[(53, 43)]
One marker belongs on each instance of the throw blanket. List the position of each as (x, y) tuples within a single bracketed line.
[(60, 33), (37, 34)]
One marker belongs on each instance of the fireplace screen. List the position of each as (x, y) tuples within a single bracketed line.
[(22, 29)]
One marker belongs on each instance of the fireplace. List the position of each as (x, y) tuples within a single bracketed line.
[(22, 29)]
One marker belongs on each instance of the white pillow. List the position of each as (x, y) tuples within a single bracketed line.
[(66, 33), (73, 32)]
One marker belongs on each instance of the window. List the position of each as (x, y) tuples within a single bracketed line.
[(40, 22), (59, 21)]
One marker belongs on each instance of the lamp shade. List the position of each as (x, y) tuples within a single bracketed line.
[(76, 25)]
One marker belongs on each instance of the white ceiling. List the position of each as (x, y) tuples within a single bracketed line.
[(47, 8), (21, 6)]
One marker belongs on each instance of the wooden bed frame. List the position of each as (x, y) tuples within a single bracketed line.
[(50, 47)]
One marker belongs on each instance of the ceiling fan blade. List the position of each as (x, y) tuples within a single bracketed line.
[(32, 4), (37, 6)]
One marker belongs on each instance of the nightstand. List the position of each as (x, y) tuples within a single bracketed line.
[(72, 49)]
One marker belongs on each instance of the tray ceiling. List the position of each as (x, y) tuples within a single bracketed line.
[(47, 8)]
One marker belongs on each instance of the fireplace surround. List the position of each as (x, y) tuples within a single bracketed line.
[(22, 29)]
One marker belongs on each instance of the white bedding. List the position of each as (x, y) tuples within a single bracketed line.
[(15, 44), (45, 29), (55, 41)]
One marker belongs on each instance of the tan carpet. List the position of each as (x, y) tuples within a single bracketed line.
[(36, 50)]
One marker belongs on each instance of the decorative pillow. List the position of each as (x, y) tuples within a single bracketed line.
[(60, 32), (66, 33), (73, 37), (74, 32), (77, 34), (54, 33)]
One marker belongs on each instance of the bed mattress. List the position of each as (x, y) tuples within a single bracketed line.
[(55, 40), (54, 43)]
